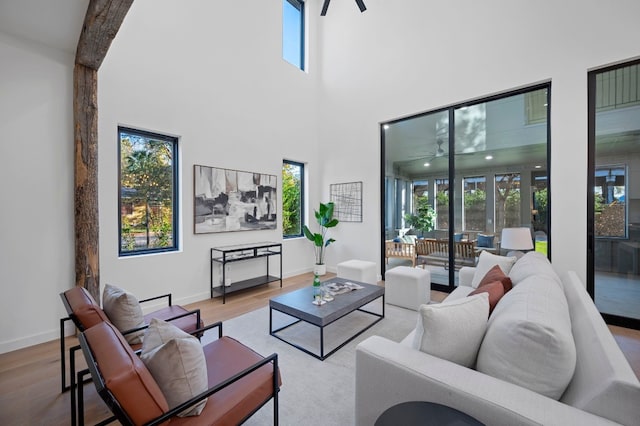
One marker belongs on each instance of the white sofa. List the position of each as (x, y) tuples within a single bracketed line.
[(602, 390)]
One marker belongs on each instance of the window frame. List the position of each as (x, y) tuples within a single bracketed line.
[(302, 199), (173, 140), (479, 179), (299, 6), (624, 169)]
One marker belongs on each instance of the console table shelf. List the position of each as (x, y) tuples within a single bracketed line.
[(236, 253)]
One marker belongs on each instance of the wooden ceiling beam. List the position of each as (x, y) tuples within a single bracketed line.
[(101, 24)]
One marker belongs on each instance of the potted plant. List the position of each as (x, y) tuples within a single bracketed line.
[(425, 218), (324, 216)]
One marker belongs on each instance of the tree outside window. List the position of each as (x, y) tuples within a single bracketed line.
[(610, 202), (475, 205), (148, 213), (292, 198), (442, 203), (507, 201)]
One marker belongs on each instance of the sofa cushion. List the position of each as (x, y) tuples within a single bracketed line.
[(532, 263), (485, 240), (486, 261), (453, 330), (176, 361), (411, 239), (124, 311), (528, 340), (494, 289), (496, 274)]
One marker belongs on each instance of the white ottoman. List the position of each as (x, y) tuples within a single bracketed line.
[(407, 287), (358, 270)]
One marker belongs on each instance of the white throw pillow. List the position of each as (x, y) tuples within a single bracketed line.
[(176, 361), (532, 263), (528, 340), (453, 330), (486, 261), (124, 311)]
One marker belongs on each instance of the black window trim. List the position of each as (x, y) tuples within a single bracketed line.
[(302, 198), (299, 5), (175, 192)]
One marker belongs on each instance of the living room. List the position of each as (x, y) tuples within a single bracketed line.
[(212, 73)]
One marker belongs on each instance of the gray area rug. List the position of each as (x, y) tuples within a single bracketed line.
[(315, 392)]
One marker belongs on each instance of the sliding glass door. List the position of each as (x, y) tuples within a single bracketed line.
[(614, 198), (472, 170)]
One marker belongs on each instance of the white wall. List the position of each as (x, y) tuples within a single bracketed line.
[(401, 58), (212, 73), (36, 218)]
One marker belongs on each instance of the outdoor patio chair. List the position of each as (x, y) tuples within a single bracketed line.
[(240, 381)]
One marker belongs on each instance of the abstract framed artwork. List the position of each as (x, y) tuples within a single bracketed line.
[(347, 198), (232, 200)]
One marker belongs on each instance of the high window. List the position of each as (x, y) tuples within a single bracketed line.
[(293, 32), (148, 192), (292, 198)]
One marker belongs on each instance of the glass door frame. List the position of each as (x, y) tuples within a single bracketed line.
[(453, 185), (591, 181)]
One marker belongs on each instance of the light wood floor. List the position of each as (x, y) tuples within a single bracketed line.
[(30, 378)]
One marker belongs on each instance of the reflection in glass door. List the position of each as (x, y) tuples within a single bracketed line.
[(478, 167), (614, 200)]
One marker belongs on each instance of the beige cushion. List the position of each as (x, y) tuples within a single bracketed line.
[(528, 340), (176, 362), (124, 311), (453, 330), (486, 261)]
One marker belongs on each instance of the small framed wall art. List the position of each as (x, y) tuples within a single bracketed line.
[(347, 198)]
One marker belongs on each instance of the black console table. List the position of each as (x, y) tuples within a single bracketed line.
[(237, 253)]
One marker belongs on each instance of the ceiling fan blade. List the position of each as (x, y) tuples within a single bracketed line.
[(325, 6), (361, 5)]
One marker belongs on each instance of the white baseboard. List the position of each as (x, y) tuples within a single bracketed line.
[(34, 339), (54, 334)]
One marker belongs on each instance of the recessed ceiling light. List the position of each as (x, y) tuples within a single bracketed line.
[(427, 164), (489, 157)]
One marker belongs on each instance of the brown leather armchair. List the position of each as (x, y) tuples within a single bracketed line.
[(85, 313), (240, 381)]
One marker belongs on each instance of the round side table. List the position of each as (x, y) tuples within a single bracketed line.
[(423, 413)]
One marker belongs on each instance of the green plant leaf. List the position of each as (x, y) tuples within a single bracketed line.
[(307, 233), (331, 223)]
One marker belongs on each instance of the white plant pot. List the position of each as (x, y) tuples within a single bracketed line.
[(320, 269)]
